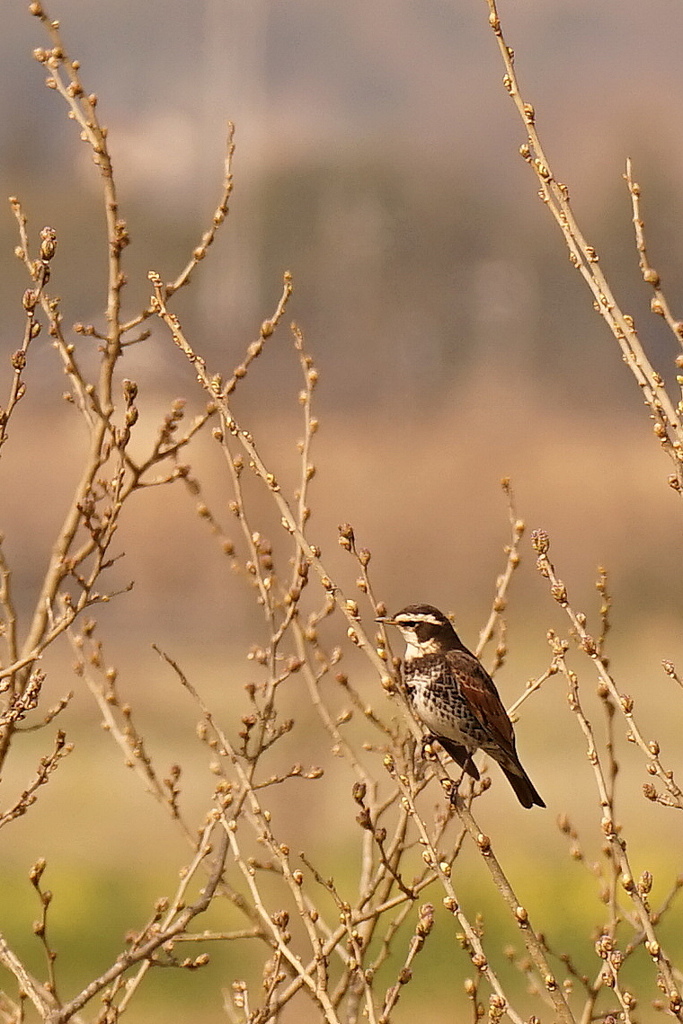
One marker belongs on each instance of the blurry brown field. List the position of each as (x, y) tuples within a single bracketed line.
[(434, 535)]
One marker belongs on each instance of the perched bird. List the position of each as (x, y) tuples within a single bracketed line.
[(453, 695)]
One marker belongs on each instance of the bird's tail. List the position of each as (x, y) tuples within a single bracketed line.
[(524, 788)]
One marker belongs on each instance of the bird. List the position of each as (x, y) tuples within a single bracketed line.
[(455, 698)]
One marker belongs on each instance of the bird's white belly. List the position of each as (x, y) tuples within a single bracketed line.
[(441, 723)]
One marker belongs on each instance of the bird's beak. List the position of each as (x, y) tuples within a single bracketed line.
[(386, 619)]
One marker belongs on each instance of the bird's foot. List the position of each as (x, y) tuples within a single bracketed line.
[(427, 752), (454, 797)]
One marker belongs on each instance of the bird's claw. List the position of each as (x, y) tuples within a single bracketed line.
[(426, 749)]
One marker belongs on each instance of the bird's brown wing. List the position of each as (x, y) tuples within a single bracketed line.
[(481, 694)]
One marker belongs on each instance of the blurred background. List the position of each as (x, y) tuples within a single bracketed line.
[(377, 161)]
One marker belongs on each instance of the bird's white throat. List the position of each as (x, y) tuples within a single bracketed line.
[(415, 649)]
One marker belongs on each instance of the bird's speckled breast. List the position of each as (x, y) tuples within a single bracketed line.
[(438, 702)]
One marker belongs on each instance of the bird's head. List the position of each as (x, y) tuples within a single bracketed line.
[(424, 628)]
